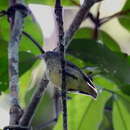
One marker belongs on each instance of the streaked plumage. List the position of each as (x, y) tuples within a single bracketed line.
[(76, 80)]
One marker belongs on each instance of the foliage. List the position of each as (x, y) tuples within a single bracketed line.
[(112, 74)]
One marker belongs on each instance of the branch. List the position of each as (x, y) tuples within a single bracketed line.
[(29, 112), (83, 11), (34, 41), (96, 23), (59, 20), (13, 59), (118, 14)]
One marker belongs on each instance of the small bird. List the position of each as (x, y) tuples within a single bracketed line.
[(76, 80), (50, 67)]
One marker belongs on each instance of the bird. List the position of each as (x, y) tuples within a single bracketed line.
[(50, 67), (76, 79)]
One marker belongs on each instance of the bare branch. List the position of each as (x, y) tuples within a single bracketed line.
[(59, 20), (97, 23), (118, 14), (83, 11), (13, 58), (29, 112)]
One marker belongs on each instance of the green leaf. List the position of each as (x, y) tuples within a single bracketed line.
[(126, 89), (26, 44), (3, 65), (89, 122), (26, 81), (26, 61), (52, 2), (3, 4), (107, 121), (124, 20), (87, 33), (76, 61), (113, 65), (82, 111), (77, 105), (4, 28), (103, 82), (84, 33), (121, 114), (109, 41)]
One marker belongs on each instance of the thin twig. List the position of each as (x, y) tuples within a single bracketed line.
[(83, 11), (34, 41), (30, 110), (97, 23), (118, 14), (91, 17), (96, 28), (13, 58), (59, 19)]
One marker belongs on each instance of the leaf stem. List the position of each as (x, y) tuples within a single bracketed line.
[(34, 41)]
